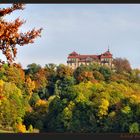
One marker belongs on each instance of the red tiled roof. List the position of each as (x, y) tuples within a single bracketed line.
[(73, 53), (72, 56), (107, 54), (83, 56), (86, 56)]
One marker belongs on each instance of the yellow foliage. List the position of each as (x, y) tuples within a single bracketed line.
[(81, 98), (21, 128), (103, 108), (71, 105), (112, 114), (67, 113), (41, 102), (126, 110), (1, 85), (1, 82), (51, 98), (30, 85)]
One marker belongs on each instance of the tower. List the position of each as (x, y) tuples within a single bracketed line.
[(108, 48)]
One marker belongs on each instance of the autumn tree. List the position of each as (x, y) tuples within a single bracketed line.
[(41, 82), (10, 36), (122, 65), (83, 74), (29, 86), (98, 75), (63, 71), (15, 75), (38, 75), (135, 75)]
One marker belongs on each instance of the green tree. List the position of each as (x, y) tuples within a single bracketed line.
[(37, 116), (134, 128), (32, 69), (106, 72), (12, 105), (15, 75)]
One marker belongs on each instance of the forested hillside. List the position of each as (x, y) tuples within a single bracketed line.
[(54, 98)]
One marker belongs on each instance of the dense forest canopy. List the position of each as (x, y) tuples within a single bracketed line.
[(56, 98)]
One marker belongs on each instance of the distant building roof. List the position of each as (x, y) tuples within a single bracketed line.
[(106, 54), (73, 53)]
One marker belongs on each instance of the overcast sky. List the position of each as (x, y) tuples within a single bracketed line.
[(84, 28)]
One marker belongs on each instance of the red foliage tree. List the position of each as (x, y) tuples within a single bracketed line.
[(10, 35), (122, 65)]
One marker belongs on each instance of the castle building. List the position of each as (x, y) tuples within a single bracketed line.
[(74, 59)]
